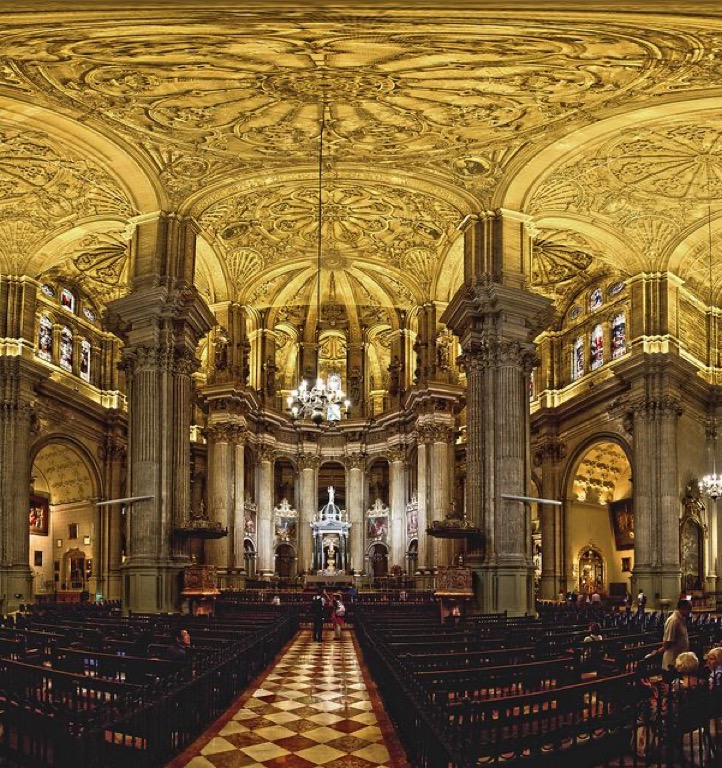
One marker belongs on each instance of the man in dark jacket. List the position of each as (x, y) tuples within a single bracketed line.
[(317, 605), (180, 650)]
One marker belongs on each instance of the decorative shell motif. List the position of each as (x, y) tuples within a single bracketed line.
[(554, 263)]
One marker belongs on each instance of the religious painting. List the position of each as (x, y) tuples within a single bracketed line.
[(578, 359), (623, 523), (45, 338), (378, 527), (39, 514), (412, 523), (619, 336), (596, 347), (286, 528), (249, 522)]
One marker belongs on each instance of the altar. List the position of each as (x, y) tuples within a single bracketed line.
[(330, 532), (329, 580)]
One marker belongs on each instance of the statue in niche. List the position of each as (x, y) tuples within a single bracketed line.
[(220, 349), (331, 558), (417, 355), (443, 345), (395, 376), (245, 360), (355, 382), (270, 369), (331, 494)]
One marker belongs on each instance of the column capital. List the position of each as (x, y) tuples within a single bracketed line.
[(495, 353), (653, 409), (265, 453), (354, 461), (435, 433), (225, 432), (396, 453), (308, 461), (550, 449)]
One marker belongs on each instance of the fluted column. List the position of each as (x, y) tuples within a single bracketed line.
[(18, 378), (656, 497), (355, 508), (109, 523), (308, 466), (397, 481), (422, 497), (162, 326), (548, 456), (441, 437), (237, 530), (496, 323), (265, 562), (221, 486)]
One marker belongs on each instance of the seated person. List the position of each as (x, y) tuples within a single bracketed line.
[(180, 649), (714, 663), (595, 633)]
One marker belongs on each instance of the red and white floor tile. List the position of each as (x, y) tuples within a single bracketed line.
[(316, 706)]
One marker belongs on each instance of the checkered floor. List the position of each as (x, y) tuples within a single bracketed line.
[(313, 708)]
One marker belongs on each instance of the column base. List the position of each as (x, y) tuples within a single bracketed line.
[(151, 587), (549, 587), (15, 580), (507, 587), (658, 583)]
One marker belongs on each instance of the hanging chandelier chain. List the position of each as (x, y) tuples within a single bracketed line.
[(324, 400)]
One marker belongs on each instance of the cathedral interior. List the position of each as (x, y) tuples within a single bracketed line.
[(494, 227)]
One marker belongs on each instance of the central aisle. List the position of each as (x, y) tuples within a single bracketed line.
[(312, 708)]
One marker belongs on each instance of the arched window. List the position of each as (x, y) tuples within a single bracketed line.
[(596, 347), (619, 336), (45, 338), (85, 360), (578, 358), (595, 299), (67, 300), (66, 349)]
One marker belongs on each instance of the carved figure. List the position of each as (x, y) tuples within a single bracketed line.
[(355, 381), (331, 494), (394, 376), (270, 368), (220, 349)]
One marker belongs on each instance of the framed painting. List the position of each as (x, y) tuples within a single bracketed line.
[(39, 514), (622, 523)]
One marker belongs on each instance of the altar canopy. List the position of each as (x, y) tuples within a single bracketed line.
[(330, 531)]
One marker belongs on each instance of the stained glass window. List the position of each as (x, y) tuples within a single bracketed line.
[(85, 360), (596, 347), (45, 338), (66, 348), (67, 300), (619, 336), (595, 299), (578, 358)]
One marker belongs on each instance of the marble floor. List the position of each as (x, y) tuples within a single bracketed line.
[(316, 706)]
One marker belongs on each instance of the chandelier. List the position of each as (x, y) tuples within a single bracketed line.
[(325, 400), (711, 484)]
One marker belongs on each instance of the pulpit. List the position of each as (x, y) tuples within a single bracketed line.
[(200, 588)]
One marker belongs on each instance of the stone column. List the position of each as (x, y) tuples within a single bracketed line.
[(238, 522), (548, 456), (397, 492), (165, 325), (656, 497), (308, 467), (221, 486), (355, 507), (18, 379), (441, 437), (422, 496), (265, 456), (496, 320), (113, 453)]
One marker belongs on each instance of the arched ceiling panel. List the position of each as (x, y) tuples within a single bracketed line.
[(65, 473)]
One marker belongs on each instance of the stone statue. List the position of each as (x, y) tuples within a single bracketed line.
[(220, 349), (395, 376), (331, 494), (355, 381), (270, 368)]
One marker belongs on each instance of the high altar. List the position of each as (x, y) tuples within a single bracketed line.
[(330, 531)]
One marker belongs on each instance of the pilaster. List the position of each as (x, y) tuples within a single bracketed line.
[(355, 463), (397, 492), (308, 466), (265, 456), (549, 454)]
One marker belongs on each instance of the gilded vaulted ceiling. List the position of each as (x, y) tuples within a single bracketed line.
[(604, 126)]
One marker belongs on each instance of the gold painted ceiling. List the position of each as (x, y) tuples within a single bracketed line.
[(604, 125)]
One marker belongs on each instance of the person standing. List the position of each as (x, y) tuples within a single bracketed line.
[(317, 605), (641, 603), (676, 638), (338, 616)]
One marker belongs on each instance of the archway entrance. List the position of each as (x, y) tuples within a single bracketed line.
[(591, 572), (379, 560), (64, 518)]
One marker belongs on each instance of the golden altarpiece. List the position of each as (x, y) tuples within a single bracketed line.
[(511, 261)]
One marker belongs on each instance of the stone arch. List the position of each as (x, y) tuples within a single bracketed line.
[(598, 497), (81, 451)]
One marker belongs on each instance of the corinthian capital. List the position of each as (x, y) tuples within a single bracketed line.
[(354, 460)]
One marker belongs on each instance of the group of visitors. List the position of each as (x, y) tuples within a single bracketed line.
[(320, 601)]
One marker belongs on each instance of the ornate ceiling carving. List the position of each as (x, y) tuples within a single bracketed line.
[(603, 474), (430, 115)]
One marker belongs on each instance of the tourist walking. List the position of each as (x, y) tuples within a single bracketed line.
[(318, 604)]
